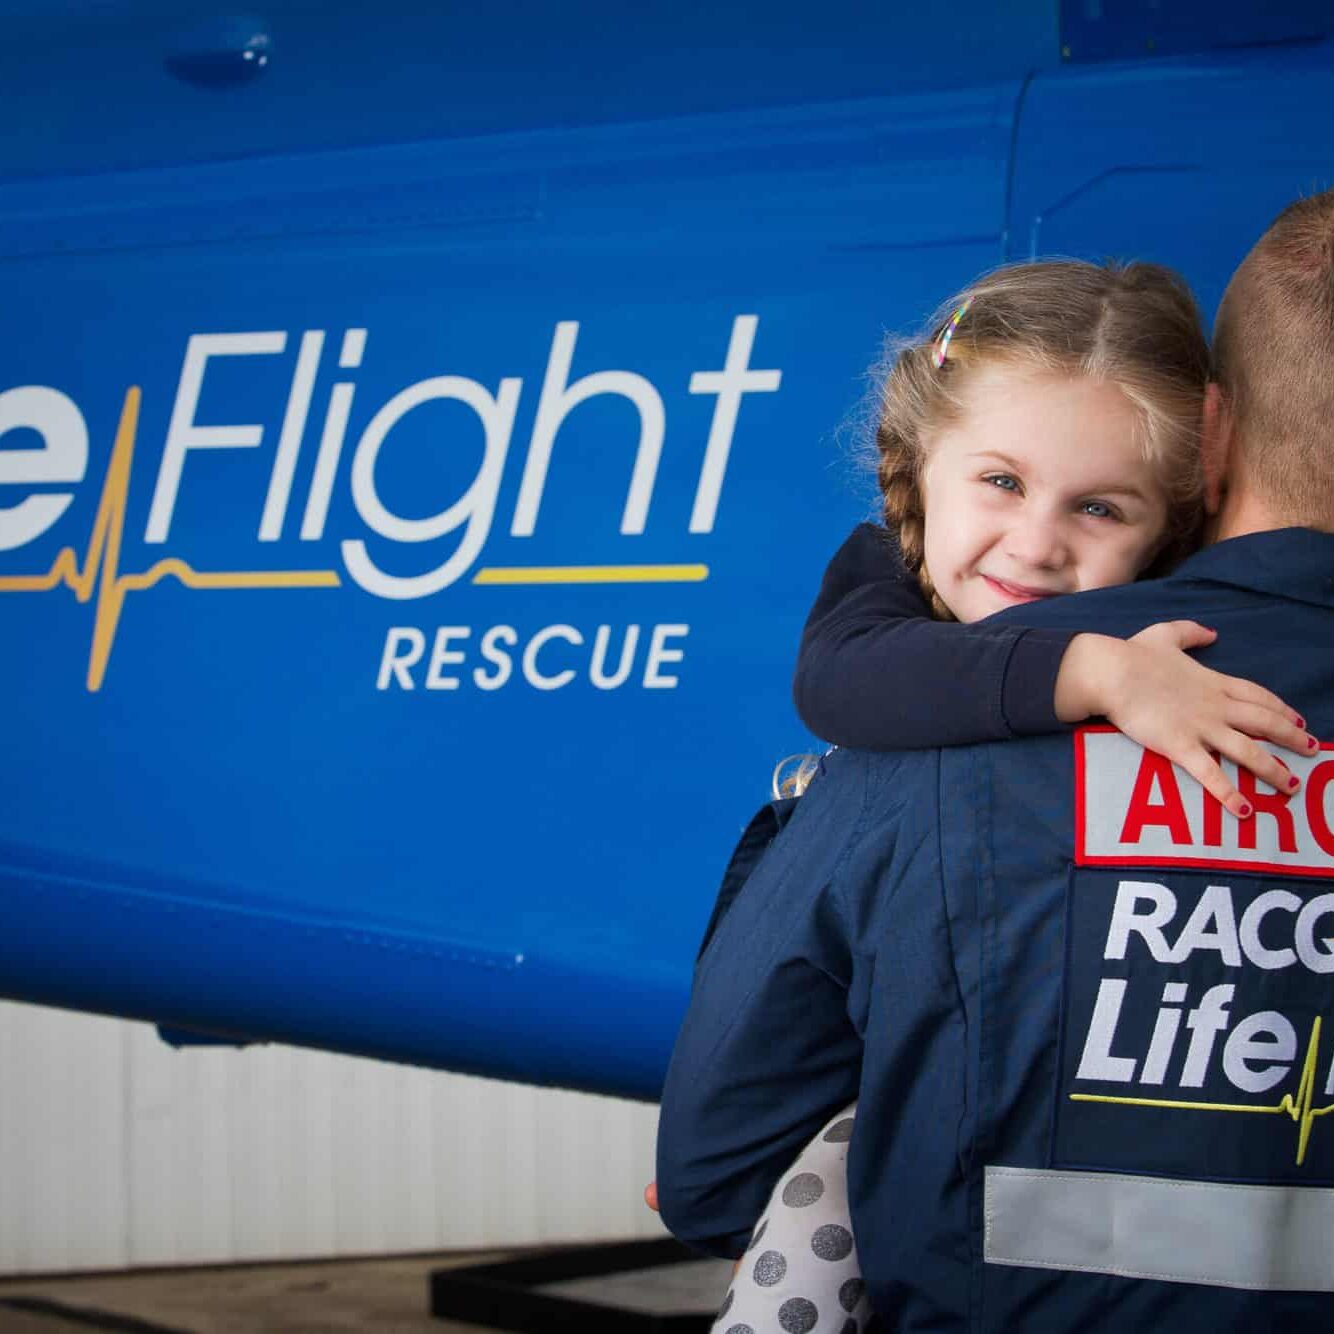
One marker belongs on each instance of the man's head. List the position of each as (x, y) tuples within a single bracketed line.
[(1269, 419)]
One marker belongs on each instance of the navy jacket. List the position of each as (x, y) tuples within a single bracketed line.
[(1081, 1006)]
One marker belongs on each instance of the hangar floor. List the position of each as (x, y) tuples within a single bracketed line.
[(389, 1295)]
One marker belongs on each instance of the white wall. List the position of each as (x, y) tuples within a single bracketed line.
[(118, 1151)]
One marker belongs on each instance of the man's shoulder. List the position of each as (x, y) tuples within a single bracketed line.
[(961, 792), (884, 781), (869, 771), (1264, 573), (1114, 610), (862, 792)]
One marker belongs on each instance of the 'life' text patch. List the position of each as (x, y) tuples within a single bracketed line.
[(1198, 1017)]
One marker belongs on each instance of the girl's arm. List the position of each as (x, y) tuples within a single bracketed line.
[(875, 671), (1157, 694)]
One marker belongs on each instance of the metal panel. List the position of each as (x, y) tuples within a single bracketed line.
[(1155, 162), (91, 81), (1132, 29), (230, 816), (116, 1151)]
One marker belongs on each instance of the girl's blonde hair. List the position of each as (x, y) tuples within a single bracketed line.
[(792, 775), (1133, 325)]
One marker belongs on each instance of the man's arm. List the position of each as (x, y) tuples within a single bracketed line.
[(768, 1051)]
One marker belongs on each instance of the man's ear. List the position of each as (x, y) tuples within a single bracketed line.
[(1215, 448)]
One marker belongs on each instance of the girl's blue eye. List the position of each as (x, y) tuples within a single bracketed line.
[(1098, 509), (1002, 480)]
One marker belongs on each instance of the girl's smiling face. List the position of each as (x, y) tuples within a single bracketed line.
[(1038, 488)]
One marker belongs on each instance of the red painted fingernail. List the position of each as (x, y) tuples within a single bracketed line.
[(1311, 743), (1245, 811), (1292, 782), (1301, 722)]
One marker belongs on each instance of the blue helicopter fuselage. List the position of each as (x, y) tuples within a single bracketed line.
[(420, 440)]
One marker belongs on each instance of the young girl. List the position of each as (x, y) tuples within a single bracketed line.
[(1042, 440)]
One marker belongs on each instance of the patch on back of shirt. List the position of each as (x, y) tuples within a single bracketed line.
[(1134, 808), (1198, 1011)]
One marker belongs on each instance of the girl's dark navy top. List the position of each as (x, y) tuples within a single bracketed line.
[(876, 671)]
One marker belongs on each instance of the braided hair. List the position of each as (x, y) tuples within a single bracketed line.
[(899, 472)]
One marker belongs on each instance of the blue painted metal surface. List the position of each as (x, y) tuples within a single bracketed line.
[(353, 324), (1137, 29)]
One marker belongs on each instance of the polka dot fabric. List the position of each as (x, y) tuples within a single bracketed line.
[(799, 1274)]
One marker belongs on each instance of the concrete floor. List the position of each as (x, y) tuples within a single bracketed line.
[(381, 1295)]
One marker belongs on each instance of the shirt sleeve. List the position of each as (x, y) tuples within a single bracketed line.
[(768, 1050), (765, 826), (875, 671)]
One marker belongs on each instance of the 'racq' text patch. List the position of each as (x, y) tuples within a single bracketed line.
[(1198, 1017)]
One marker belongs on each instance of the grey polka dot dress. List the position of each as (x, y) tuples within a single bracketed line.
[(799, 1275)]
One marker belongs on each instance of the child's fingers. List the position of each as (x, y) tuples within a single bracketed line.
[(1267, 725), (1247, 692), (1202, 767), (1189, 634), (1250, 754)]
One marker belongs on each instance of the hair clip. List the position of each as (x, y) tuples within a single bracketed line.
[(943, 342)]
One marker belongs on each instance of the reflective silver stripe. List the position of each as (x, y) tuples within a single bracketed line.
[(1231, 1236)]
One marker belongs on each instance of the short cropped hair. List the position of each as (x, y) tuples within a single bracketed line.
[(1273, 358)]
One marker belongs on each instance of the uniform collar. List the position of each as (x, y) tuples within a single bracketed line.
[(1293, 563)]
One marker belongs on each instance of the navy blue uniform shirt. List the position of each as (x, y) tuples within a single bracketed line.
[(1082, 1007)]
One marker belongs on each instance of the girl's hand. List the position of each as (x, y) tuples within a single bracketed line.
[(1152, 690)]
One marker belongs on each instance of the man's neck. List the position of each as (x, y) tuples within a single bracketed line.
[(1243, 512)]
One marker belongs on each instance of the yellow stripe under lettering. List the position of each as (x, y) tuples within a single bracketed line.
[(1299, 1108)]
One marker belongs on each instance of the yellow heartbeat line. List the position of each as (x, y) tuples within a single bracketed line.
[(592, 574), (1300, 1108), (103, 558)]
